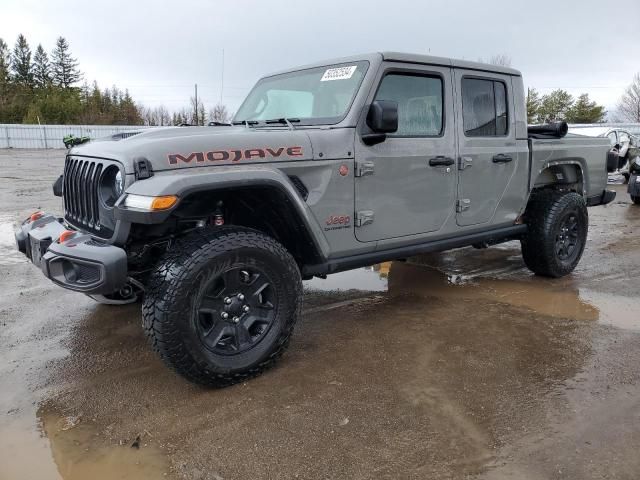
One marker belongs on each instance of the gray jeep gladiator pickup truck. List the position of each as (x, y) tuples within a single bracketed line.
[(325, 168)]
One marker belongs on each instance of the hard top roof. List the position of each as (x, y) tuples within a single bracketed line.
[(449, 62), (408, 58)]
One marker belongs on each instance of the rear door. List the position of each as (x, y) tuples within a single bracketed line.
[(406, 185), (488, 156)]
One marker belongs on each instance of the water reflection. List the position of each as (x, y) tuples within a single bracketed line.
[(368, 279)]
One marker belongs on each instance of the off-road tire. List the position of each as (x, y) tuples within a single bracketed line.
[(175, 288), (545, 216), (635, 200)]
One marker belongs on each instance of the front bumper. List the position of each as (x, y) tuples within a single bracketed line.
[(79, 263)]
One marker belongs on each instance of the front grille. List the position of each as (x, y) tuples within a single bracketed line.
[(80, 192)]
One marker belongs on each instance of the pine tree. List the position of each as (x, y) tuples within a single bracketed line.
[(63, 65), (585, 111), (555, 106), (21, 63), (129, 112), (41, 68), (533, 105), (5, 62)]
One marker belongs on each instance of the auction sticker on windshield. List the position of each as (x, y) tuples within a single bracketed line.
[(340, 73)]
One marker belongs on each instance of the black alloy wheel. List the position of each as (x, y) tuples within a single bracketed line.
[(236, 310), (567, 238)]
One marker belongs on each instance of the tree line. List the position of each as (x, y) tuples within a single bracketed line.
[(41, 87), (560, 105)]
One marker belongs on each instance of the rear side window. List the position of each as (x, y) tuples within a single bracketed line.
[(484, 108), (419, 100)]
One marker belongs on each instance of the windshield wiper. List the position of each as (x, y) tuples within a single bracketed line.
[(246, 123), (287, 121)]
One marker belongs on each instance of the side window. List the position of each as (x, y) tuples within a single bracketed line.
[(484, 108), (419, 100)]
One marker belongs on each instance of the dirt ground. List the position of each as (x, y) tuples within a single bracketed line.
[(457, 365)]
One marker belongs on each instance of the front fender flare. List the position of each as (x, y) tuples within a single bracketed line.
[(188, 181)]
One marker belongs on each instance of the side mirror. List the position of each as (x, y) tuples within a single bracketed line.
[(382, 118)]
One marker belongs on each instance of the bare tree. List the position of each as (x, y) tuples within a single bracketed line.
[(158, 116), (629, 105), (147, 116), (162, 115), (198, 115), (219, 113), (502, 60)]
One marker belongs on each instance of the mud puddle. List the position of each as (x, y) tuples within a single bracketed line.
[(25, 450), (369, 279), (82, 452), (499, 275)]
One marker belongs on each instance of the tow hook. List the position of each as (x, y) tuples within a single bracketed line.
[(129, 293)]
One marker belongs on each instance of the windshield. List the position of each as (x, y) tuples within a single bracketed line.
[(314, 96)]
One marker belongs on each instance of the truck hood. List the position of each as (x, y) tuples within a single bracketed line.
[(190, 147)]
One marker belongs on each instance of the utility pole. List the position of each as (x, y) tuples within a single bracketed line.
[(196, 106)]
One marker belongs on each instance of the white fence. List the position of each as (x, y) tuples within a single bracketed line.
[(50, 136)]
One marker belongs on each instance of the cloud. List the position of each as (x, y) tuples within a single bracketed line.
[(159, 50)]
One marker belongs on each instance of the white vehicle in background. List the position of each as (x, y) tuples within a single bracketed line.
[(624, 144)]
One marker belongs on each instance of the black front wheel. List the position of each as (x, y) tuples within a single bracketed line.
[(221, 305), (557, 232)]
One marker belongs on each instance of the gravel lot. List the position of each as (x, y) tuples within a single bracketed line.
[(457, 365)]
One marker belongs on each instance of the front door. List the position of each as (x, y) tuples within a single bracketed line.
[(406, 185), (488, 156)]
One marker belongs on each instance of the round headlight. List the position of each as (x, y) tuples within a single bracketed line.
[(111, 185)]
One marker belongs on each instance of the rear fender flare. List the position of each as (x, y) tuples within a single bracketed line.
[(558, 173)]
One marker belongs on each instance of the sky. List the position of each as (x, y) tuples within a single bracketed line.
[(160, 49)]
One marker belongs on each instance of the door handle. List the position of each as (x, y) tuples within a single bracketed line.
[(502, 158), (441, 161)]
